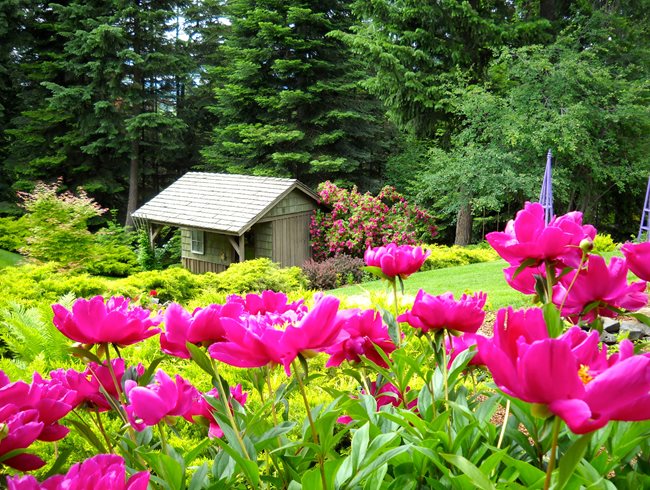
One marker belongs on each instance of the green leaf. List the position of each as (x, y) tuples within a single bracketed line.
[(250, 468), (524, 265), (464, 465), (168, 469), (553, 320), (376, 271), (85, 354), (641, 317), (571, 458), (146, 376), (393, 327), (199, 478), (58, 463), (360, 441), (199, 357), (87, 433)]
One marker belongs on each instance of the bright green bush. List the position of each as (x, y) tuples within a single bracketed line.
[(443, 256), (174, 284), (13, 234), (603, 242), (257, 275)]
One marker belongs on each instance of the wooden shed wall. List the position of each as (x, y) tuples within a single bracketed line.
[(291, 240), (263, 240), (218, 255), (294, 202)]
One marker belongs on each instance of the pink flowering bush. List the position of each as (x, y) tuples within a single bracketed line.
[(358, 221)]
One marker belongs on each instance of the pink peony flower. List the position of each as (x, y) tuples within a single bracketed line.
[(524, 281), (638, 259), (387, 394), (362, 333), (201, 409), (251, 342), (443, 312), (456, 345), (316, 332), (394, 260), (95, 322), (527, 237), (203, 326), (598, 283), (22, 429), (150, 404), (89, 384), (567, 376), (101, 472)]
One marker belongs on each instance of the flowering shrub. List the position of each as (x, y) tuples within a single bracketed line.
[(358, 221), (397, 402), (334, 272)]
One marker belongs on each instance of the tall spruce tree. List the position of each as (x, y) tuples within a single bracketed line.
[(288, 97), (109, 117)]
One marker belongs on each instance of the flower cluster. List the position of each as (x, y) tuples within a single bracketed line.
[(30, 412), (358, 221), (396, 261), (570, 376)]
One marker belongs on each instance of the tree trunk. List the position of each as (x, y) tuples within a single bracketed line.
[(464, 225), (134, 170)]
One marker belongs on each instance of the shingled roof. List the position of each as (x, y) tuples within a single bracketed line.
[(224, 203)]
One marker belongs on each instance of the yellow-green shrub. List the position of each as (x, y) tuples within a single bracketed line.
[(443, 256), (603, 242)]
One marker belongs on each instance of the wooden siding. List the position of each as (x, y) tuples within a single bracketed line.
[(294, 202), (218, 249), (263, 239), (201, 266), (291, 240)]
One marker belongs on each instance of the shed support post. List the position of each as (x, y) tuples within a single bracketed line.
[(238, 246)]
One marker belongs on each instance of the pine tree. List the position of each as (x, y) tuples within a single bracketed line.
[(288, 96), (109, 118)]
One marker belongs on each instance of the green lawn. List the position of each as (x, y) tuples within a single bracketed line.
[(486, 276), (8, 258)]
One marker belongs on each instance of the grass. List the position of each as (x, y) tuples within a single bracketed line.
[(8, 259), (485, 276)]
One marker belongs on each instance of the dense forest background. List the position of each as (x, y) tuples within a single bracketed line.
[(455, 103)]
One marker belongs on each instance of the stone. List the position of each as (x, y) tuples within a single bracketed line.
[(635, 329), (608, 338), (610, 325)]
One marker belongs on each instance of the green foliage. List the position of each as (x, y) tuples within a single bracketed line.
[(443, 256), (13, 234), (174, 284), (257, 275), (57, 225), (288, 96), (603, 242), (159, 257)]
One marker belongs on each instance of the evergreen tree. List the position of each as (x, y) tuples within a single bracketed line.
[(109, 119), (288, 97)]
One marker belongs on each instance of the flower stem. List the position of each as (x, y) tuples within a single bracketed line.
[(163, 438), (550, 281), (445, 375), (505, 423), (118, 387), (271, 395), (226, 407), (314, 433), (396, 308), (100, 426), (551, 464)]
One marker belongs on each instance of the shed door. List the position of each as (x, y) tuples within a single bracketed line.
[(291, 240)]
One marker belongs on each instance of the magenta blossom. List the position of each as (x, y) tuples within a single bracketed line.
[(91, 384), (638, 259), (456, 345), (528, 237), (103, 471), (22, 429), (202, 410), (362, 334), (394, 260), (387, 394), (316, 332), (443, 312), (601, 285), (150, 404), (567, 375), (524, 280), (203, 326), (251, 342), (95, 322), (269, 302)]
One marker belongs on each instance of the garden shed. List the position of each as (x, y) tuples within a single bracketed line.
[(227, 218)]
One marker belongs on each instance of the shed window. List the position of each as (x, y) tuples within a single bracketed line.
[(198, 241)]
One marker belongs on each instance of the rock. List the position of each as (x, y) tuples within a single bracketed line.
[(635, 329), (608, 338), (610, 325)]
